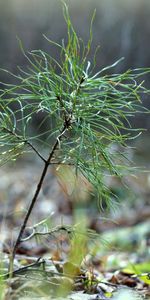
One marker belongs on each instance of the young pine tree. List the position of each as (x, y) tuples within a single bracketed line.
[(87, 114)]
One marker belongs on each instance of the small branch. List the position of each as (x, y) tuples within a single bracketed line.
[(24, 141), (58, 228), (65, 111), (76, 91), (68, 229), (37, 263), (35, 150)]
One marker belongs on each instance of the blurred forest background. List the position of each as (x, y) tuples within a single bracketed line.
[(121, 29)]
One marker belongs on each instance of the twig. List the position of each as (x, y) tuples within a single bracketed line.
[(36, 263), (68, 229), (35, 150), (25, 141), (64, 110)]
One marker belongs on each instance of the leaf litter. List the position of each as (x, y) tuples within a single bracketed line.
[(59, 260)]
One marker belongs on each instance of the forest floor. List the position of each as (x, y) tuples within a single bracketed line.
[(72, 250)]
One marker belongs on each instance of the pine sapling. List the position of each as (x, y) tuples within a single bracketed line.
[(87, 114)]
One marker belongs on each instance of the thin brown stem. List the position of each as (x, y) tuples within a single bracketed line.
[(38, 189), (35, 150), (25, 141)]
